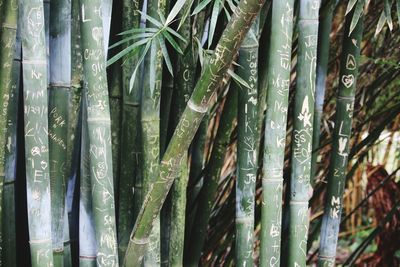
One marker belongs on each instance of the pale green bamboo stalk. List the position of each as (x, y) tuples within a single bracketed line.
[(247, 147), (183, 87), (67, 260), (87, 239), (7, 41), (349, 64), (129, 136), (98, 120), (278, 82), (9, 226), (324, 31), (150, 119), (59, 91), (36, 130), (197, 106), (302, 132)]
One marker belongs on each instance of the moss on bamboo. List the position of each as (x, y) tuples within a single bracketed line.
[(278, 82), (98, 119), (349, 63)]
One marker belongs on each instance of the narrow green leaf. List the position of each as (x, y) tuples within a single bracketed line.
[(175, 10), (356, 15), (228, 16), (231, 5), (138, 30), (201, 51), (171, 40), (388, 7), (201, 6), (177, 35), (213, 21), (238, 79), (127, 51), (151, 19), (133, 37), (165, 54), (132, 79), (185, 14), (381, 23), (350, 6), (162, 17)]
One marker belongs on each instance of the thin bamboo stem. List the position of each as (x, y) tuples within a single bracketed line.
[(278, 82), (338, 164)]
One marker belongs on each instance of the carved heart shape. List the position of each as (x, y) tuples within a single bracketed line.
[(348, 80)]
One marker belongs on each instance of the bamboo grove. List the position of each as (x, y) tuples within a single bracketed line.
[(199, 133)]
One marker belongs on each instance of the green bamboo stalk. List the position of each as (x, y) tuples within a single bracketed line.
[(9, 226), (150, 120), (67, 261), (325, 25), (115, 114), (278, 82), (59, 90), (183, 87), (208, 191), (338, 164), (247, 148), (87, 239), (129, 136), (36, 130), (197, 105), (302, 132), (98, 120), (7, 41), (106, 10)]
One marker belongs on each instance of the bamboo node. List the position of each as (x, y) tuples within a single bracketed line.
[(40, 241), (34, 61), (9, 26), (293, 202), (196, 108), (142, 241)]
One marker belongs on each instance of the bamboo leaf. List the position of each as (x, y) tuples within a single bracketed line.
[(185, 13), (162, 17), (132, 79), (201, 51), (350, 6), (133, 37), (213, 21), (165, 54), (381, 23), (227, 13), (127, 51), (171, 40), (231, 5), (388, 7), (356, 15), (238, 79), (175, 10), (138, 30), (176, 34), (201, 6), (151, 19)]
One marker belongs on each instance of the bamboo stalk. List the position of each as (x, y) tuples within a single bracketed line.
[(36, 130), (59, 90), (278, 82), (10, 157), (208, 191), (98, 120), (129, 136), (87, 239), (8, 38), (247, 147), (197, 105), (302, 132), (150, 120), (183, 87), (325, 25), (338, 164)]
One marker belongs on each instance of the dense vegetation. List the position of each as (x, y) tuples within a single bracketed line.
[(199, 133)]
